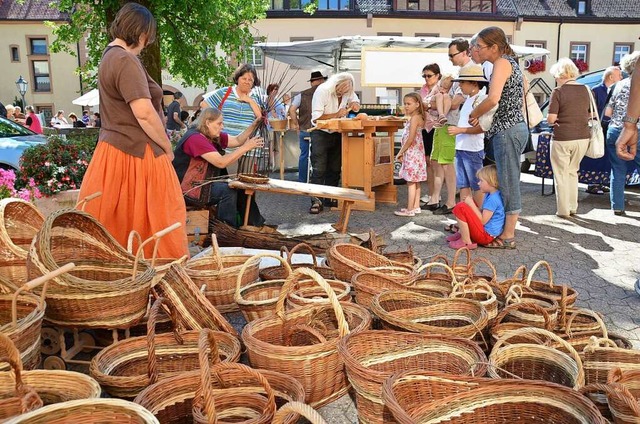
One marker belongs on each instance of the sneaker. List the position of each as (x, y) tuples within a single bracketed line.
[(454, 237), (425, 198), (417, 211), (404, 212)]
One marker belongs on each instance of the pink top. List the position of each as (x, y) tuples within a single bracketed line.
[(34, 125), (432, 115)]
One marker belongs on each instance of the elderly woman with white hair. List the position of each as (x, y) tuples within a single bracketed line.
[(333, 99), (617, 110), (569, 114)]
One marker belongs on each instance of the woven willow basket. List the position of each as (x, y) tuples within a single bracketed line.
[(19, 223), (348, 259), (280, 272)]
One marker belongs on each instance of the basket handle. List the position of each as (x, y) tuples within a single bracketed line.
[(33, 284), (298, 408), (293, 279), (306, 247), (487, 262), (589, 312), (249, 261), (155, 238), (440, 259), (83, 202), (548, 325), (598, 342), (373, 241), (303, 328), (456, 257), (548, 335), (430, 265), (468, 286), (152, 368), (29, 399), (615, 375), (215, 252), (520, 273), (617, 391), (535, 268)]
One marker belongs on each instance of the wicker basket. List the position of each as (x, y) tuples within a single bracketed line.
[(126, 367), (21, 318), (625, 408), (303, 342), (615, 401), (518, 294), (253, 178), (476, 277), (219, 273), (19, 223), (368, 284), (462, 266), (600, 356), (501, 288), (370, 357), (280, 272), (442, 281), (511, 402), (533, 361), (88, 411), (193, 310), (171, 399), (405, 257), (348, 259), (564, 295), (481, 292), (20, 398), (408, 311), (503, 322), (298, 408)]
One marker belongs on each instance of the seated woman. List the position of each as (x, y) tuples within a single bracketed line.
[(200, 157)]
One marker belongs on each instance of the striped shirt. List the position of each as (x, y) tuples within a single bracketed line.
[(236, 115)]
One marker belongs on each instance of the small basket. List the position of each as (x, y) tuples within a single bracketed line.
[(405, 257), (462, 267), (88, 411), (280, 272), (408, 311), (370, 357), (347, 259), (600, 356), (218, 274), (564, 295), (441, 281), (533, 361), (501, 288), (21, 318), (475, 277), (503, 322), (235, 398), (253, 178), (302, 342), (518, 294), (624, 405), (126, 367), (481, 292), (513, 402), (20, 221)]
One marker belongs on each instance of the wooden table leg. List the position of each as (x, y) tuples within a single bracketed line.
[(281, 151), (345, 213), (249, 193)]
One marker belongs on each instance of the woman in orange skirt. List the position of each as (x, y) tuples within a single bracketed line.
[(131, 165)]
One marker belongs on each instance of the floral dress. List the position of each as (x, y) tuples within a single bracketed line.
[(414, 163)]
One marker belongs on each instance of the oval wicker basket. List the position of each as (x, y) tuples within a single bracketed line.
[(280, 272), (19, 223), (370, 357), (477, 277), (408, 311), (218, 274), (535, 360), (481, 292), (600, 356), (87, 411), (128, 366), (501, 288), (562, 294), (503, 322), (302, 342), (347, 259), (512, 401), (625, 404), (518, 294), (443, 281), (253, 178)]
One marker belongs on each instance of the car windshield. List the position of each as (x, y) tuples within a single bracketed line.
[(11, 129)]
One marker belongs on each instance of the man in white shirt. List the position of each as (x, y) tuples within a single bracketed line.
[(333, 99)]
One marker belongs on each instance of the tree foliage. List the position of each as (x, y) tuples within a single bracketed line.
[(195, 37)]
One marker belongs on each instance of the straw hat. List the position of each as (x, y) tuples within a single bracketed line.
[(471, 73)]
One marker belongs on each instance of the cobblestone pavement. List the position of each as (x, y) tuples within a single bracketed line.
[(595, 252)]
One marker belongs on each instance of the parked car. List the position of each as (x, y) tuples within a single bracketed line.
[(14, 139)]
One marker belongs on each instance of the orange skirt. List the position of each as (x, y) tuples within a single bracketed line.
[(137, 194)]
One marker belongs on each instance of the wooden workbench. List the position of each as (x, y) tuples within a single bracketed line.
[(347, 196), (359, 166)]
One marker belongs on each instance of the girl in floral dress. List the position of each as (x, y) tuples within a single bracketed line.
[(411, 154)]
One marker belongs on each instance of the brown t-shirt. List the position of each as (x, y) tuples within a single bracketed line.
[(571, 103), (122, 79)]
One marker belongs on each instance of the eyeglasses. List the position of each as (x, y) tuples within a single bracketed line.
[(427, 75), (451, 56)]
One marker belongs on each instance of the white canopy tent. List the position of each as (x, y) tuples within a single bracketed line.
[(90, 98)]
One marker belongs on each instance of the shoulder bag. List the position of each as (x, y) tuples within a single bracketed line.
[(596, 136), (485, 120)]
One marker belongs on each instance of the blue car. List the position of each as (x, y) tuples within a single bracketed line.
[(14, 139)]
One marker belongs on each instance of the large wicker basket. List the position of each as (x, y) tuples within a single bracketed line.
[(280, 272), (408, 311), (536, 360), (88, 411), (19, 223), (21, 316), (370, 357), (218, 274), (348, 259), (600, 356), (126, 367), (303, 342), (511, 402)]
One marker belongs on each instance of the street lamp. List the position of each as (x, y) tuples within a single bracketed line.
[(21, 84)]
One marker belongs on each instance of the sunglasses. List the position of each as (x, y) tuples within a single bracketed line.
[(451, 56), (427, 75)]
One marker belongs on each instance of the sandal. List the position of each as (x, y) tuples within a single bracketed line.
[(498, 243), (595, 190), (404, 212), (451, 228), (316, 208)]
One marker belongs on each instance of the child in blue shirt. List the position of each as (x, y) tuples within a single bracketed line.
[(479, 225)]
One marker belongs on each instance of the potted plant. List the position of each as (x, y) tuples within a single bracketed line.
[(9, 188), (581, 65), (536, 66)]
